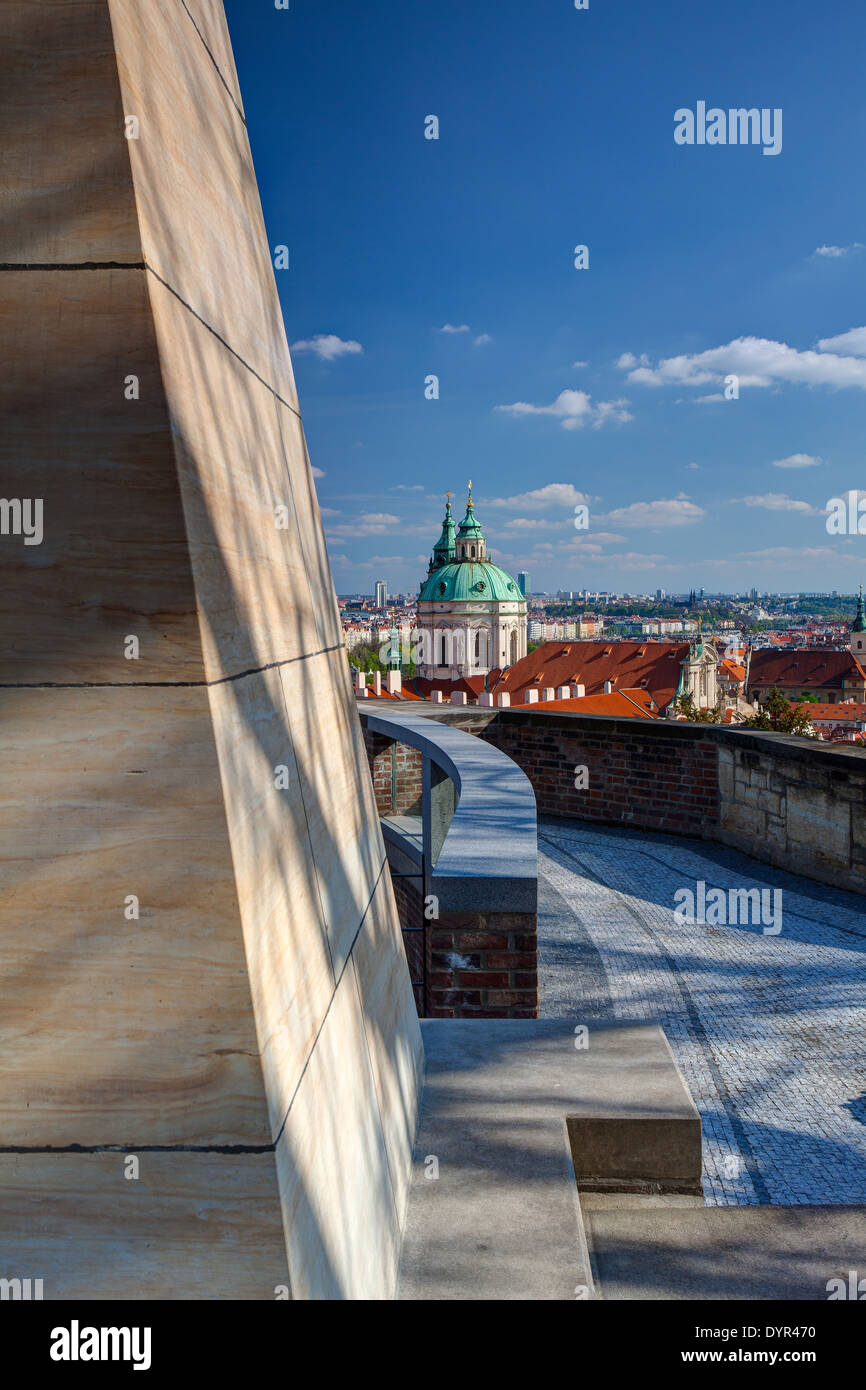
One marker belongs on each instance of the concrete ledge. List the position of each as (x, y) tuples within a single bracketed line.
[(506, 1103), (488, 861)]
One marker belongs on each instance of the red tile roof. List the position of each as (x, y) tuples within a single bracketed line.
[(845, 712), (804, 667), (651, 666), (625, 704)]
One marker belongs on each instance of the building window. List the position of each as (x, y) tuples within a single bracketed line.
[(513, 646)]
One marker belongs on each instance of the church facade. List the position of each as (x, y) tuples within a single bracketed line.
[(472, 617)]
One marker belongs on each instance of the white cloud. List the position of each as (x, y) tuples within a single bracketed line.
[(318, 472), (779, 502), (367, 524), (380, 561), (551, 495), (408, 487), (455, 328), (327, 346), (580, 364), (834, 252), (756, 361), (573, 409), (789, 553), (695, 467), (798, 461), (853, 342), (665, 511), (524, 523), (328, 511), (482, 340)]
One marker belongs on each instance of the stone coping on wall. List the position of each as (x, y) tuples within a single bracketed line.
[(795, 803), (488, 861), (832, 756)]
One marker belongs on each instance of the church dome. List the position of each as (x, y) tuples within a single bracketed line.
[(468, 580)]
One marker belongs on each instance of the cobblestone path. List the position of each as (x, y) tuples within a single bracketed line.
[(769, 1031)]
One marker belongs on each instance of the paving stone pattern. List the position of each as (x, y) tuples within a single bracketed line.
[(769, 1031)]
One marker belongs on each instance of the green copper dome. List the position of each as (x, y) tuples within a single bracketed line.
[(467, 580)]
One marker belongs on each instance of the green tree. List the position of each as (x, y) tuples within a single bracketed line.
[(688, 709), (779, 716)]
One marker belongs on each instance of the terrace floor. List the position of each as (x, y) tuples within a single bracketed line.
[(769, 1031)]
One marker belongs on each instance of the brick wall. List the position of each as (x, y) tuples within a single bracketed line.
[(794, 803), (483, 965), (622, 775), (396, 771)]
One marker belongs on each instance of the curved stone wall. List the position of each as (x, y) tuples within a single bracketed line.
[(792, 802)]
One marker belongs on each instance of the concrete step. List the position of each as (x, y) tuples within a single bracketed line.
[(511, 1109), (767, 1252)]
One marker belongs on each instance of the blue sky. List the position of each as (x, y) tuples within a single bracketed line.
[(557, 130)]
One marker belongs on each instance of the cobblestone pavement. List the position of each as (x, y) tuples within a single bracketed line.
[(769, 1031)]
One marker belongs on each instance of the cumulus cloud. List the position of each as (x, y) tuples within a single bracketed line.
[(664, 511), (853, 342), (327, 346), (756, 361), (834, 252), (367, 524), (551, 495), (480, 340), (779, 502), (318, 472), (573, 409), (798, 461)]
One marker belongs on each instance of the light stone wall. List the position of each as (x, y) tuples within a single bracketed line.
[(259, 1009), (799, 814)]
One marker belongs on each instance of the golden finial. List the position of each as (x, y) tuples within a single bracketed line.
[(700, 620), (448, 497), (470, 492)]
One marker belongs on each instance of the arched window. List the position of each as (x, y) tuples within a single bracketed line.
[(513, 656), (473, 552)]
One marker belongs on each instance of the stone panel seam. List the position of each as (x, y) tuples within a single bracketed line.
[(215, 63), (72, 265), (168, 685), (220, 339), (321, 1026)]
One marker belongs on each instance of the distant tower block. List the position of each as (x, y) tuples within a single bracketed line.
[(202, 960), (857, 641)]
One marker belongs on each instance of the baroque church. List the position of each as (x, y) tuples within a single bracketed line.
[(471, 614)]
